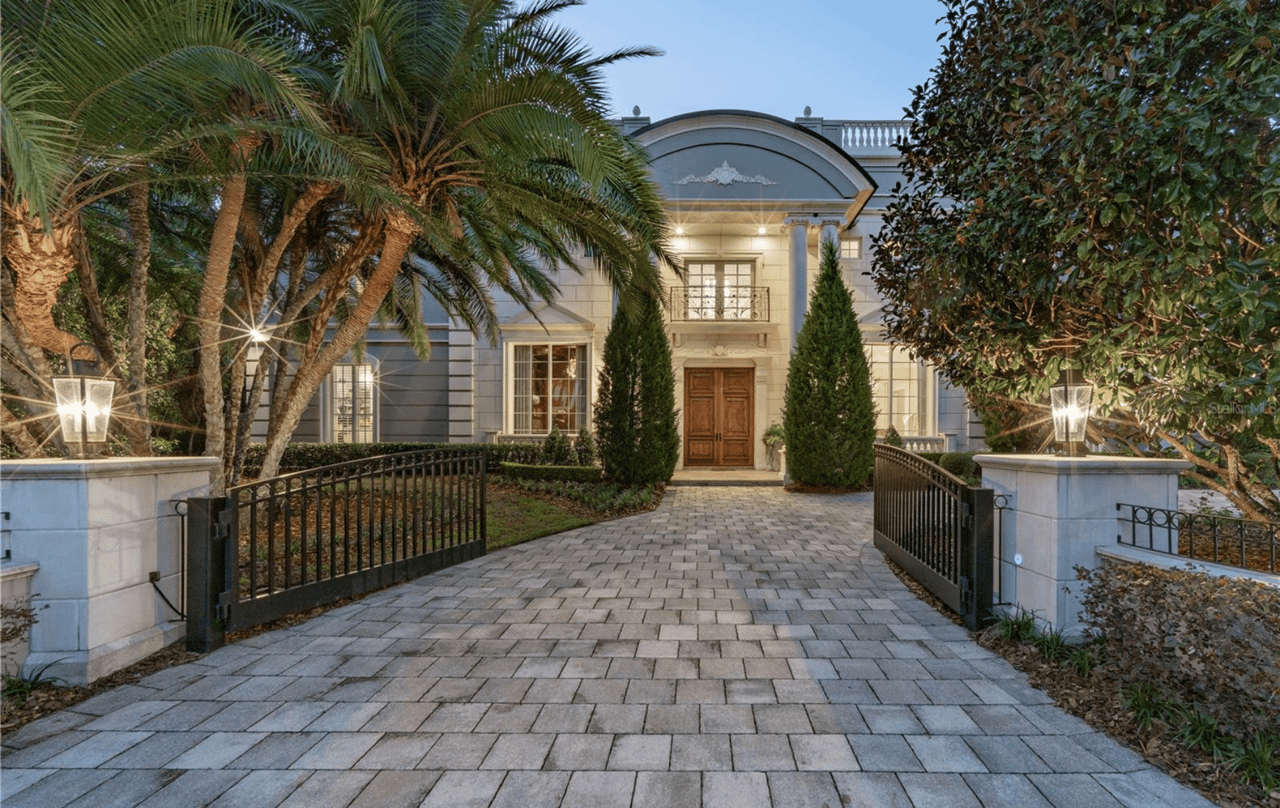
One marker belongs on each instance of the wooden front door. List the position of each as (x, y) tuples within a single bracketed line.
[(718, 407)]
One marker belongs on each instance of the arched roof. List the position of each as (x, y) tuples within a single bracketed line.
[(736, 156)]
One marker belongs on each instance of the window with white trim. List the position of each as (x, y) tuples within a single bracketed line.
[(903, 391), (720, 290), (352, 404), (548, 388), (850, 248)]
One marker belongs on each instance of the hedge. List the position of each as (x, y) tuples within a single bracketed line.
[(573, 474)]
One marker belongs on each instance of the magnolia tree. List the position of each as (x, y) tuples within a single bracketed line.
[(1097, 184)]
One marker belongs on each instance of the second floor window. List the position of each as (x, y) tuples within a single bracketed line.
[(720, 291)]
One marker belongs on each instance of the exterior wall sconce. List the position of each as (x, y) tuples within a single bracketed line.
[(1070, 400), (84, 404)]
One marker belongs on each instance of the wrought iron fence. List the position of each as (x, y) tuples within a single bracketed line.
[(729, 304), (1233, 542), (274, 547), (938, 528)]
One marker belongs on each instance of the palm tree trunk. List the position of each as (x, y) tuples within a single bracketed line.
[(41, 262), (140, 224), (240, 429), (213, 294), (398, 235), (95, 315)]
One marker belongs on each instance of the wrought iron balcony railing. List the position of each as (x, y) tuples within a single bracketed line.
[(692, 304)]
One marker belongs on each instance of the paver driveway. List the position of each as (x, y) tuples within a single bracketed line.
[(738, 647)]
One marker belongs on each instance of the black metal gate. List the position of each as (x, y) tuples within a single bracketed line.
[(938, 528), (279, 546)]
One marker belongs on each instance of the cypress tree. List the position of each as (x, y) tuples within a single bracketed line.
[(828, 416), (636, 433)]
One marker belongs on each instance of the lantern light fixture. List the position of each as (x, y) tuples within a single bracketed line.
[(84, 403), (1070, 400)]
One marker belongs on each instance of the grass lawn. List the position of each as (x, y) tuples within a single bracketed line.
[(514, 517)]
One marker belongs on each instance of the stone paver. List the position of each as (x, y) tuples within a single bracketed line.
[(736, 647)]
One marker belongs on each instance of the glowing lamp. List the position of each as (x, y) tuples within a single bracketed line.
[(84, 406), (1070, 400)]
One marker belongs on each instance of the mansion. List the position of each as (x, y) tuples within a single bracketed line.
[(749, 198)]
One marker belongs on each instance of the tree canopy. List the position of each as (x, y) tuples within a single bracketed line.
[(343, 158), (1097, 183)]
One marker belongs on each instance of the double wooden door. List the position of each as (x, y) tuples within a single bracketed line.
[(718, 407)]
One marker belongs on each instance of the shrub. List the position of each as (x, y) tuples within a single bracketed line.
[(892, 438), (1204, 641), (829, 417), (580, 474), (1011, 427), (605, 497), (556, 449), (635, 403), (585, 448), (960, 464)]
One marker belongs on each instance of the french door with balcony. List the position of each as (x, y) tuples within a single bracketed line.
[(720, 290), (719, 407)]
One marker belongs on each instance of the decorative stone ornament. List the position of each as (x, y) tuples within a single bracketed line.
[(725, 175)]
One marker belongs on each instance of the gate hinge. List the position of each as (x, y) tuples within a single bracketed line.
[(222, 525), (221, 609), (966, 591)]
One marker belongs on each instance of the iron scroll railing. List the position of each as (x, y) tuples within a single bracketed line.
[(1226, 540), (275, 547), (745, 304), (938, 528)]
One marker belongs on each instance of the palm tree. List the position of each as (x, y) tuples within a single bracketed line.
[(94, 95), (499, 161)]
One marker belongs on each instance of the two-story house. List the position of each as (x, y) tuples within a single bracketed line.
[(749, 197)]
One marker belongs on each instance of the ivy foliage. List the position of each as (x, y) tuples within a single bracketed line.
[(828, 418), (1097, 182), (635, 413)]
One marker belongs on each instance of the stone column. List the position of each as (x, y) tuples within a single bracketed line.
[(101, 532), (798, 266), (1061, 511)]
